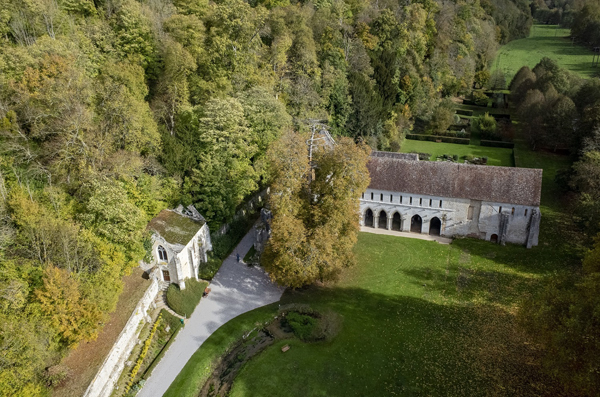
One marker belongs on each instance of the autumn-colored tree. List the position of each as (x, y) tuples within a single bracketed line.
[(315, 209), (73, 316)]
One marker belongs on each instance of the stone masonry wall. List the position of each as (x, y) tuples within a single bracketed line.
[(459, 217), (104, 382)]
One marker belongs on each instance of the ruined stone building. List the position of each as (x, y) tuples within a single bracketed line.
[(498, 204), (180, 241)]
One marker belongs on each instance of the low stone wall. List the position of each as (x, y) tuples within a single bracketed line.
[(104, 382)]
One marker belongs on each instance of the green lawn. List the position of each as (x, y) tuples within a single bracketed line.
[(183, 302), (419, 318), (545, 41), (496, 156)]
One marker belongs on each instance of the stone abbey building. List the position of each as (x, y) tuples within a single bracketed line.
[(180, 241), (498, 204)]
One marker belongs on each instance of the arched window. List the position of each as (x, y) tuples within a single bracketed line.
[(525, 211), (513, 211), (381, 197), (371, 195), (162, 253)]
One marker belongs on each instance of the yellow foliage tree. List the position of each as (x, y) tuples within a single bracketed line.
[(73, 316), (315, 209)]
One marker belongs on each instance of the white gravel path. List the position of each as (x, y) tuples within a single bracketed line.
[(235, 289)]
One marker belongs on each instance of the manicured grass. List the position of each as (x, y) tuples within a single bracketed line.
[(195, 373), (419, 318), (544, 41), (183, 302), (496, 156)]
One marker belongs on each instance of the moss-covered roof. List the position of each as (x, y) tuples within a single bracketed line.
[(175, 228)]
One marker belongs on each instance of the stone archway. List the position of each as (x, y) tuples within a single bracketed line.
[(416, 223), (435, 226), (397, 222), (494, 238), (369, 218), (382, 220)]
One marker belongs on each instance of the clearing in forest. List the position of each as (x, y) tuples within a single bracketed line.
[(545, 41)]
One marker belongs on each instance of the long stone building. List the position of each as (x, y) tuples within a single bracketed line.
[(498, 204)]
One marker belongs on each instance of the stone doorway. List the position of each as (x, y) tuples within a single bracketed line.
[(494, 238), (382, 220), (416, 224), (166, 276), (369, 218), (397, 222), (435, 226)]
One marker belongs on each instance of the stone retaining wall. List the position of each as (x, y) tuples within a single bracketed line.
[(104, 382)]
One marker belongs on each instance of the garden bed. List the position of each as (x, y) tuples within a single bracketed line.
[(142, 360)]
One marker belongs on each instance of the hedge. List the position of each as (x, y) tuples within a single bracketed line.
[(507, 145), (465, 112), (434, 138)]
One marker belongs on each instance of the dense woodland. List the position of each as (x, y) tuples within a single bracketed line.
[(111, 110)]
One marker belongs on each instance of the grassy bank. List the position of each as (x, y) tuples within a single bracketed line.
[(183, 302), (545, 41)]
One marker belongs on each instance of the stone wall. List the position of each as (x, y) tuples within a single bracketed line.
[(104, 382), (458, 217)]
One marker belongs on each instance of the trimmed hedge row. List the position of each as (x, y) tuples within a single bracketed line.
[(434, 138), (507, 145), (465, 112)]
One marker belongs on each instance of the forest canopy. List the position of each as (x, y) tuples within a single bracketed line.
[(111, 110)]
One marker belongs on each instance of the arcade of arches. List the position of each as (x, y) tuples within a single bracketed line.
[(394, 221)]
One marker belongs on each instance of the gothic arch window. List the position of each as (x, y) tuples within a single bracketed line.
[(162, 253)]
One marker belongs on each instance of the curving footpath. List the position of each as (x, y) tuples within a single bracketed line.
[(235, 289)]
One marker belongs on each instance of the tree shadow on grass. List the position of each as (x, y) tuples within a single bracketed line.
[(399, 345)]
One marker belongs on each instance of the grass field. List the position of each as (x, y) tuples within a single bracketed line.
[(419, 318), (496, 156), (545, 41)]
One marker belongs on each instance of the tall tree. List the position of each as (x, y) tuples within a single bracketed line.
[(315, 209)]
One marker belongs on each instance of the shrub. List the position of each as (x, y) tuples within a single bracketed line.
[(183, 302), (302, 325), (55, 375), (224, 244), (486, 125), (207, 270), (434, 138), (480, 98)]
